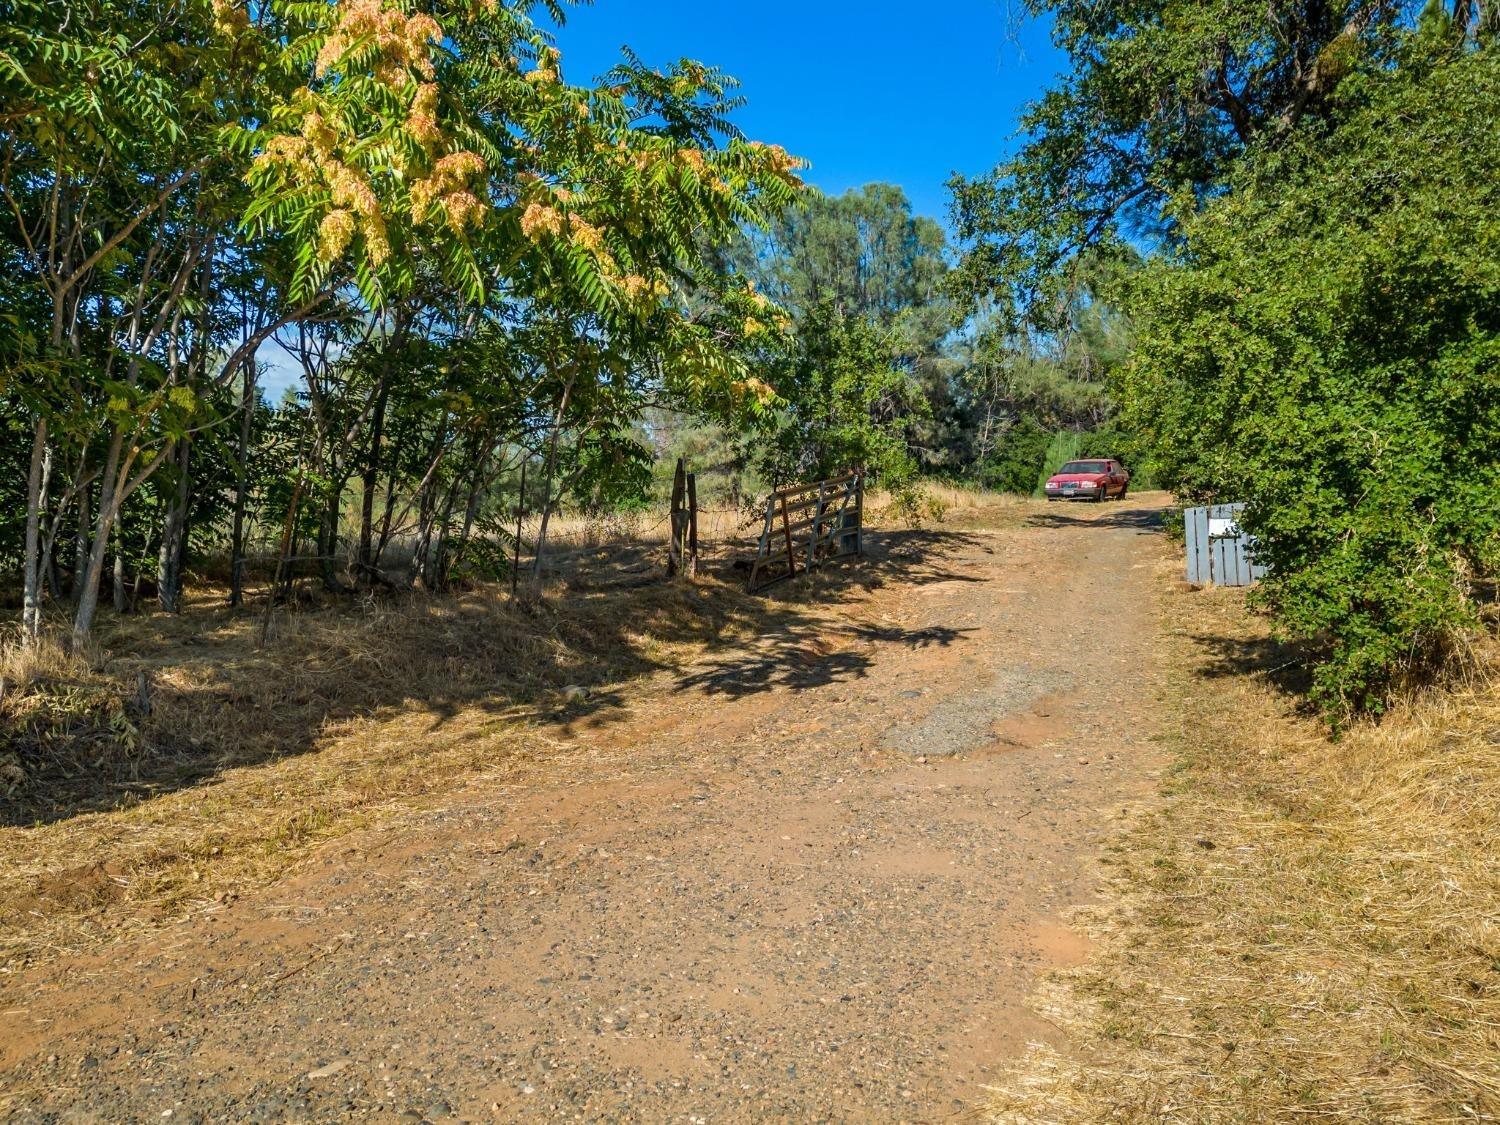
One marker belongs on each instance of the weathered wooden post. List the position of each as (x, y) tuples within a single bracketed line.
[(817, 526), (692, 499), (859, 512), (682, 550)]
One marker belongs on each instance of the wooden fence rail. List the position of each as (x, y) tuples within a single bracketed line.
[(807, 525)]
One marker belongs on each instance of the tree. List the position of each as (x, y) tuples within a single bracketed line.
[(866, 357), (1326, 346), (1163, 99), (474, 263)]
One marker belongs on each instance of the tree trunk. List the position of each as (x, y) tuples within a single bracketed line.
[(369, 482), (81, 541), (173, 532), (435, 574), (104, 522), (241, 487), (31, 611), (281, 557), (328, 538), (541, 534), (417, 565), (119, 573)]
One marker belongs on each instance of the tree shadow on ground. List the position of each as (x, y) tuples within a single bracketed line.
[(605, 618), (1061, 513), (790, 662), (1287, 667)]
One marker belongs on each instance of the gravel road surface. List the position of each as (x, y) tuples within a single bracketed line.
[(811, 880)]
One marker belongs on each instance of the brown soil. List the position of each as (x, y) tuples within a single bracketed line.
[(813, 878)]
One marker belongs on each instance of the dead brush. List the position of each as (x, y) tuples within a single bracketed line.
[(1305, 928), (57, 714)]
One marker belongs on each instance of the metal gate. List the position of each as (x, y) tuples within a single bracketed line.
[(807, 525), (1219, 553)]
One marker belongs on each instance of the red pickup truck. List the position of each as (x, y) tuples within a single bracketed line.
[(1089, 480)]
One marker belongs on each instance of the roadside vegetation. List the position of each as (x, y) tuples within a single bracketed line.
[(355, 303), (1314, 331), (1304, 925)]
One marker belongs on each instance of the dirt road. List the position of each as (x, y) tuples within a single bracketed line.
[(813, 880)]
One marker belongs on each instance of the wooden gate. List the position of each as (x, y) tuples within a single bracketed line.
[(1219, 553), (807, 525)]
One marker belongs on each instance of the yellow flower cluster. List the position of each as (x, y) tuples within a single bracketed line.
[(759, 388), (641, 290), (289, 151), (319, 134), (335, 233), (403, 41), (229, 18), (539, 220), (780, 162), (447, 187), (350, 191), (586, 235), (421, 115), (459, 165), (463, 209), (547, 71), (309, 160)]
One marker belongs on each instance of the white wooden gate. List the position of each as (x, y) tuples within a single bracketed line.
[(1219, 553)]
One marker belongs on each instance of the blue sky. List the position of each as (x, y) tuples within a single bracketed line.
[(868, 90)]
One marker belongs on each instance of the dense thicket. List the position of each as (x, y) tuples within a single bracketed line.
[(1316, 185), (1327, 347)]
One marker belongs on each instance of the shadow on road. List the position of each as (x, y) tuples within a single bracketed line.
[(608, 618), (1147, 521), (788, 662)]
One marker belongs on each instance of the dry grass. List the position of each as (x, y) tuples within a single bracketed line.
[(250, 755), (114, 818), (1304, 928)]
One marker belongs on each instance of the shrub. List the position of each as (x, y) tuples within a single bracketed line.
[(1326, 347)]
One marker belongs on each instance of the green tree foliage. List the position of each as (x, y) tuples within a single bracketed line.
[(863, 279), (1326, 346), (1163, 98), (1031, 385), (474, 263), (847, 404), (1314, 185)]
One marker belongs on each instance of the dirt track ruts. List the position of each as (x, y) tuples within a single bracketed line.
[(812, 880)]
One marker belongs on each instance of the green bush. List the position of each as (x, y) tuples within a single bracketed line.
[(1326, 347), (1017, 459)]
